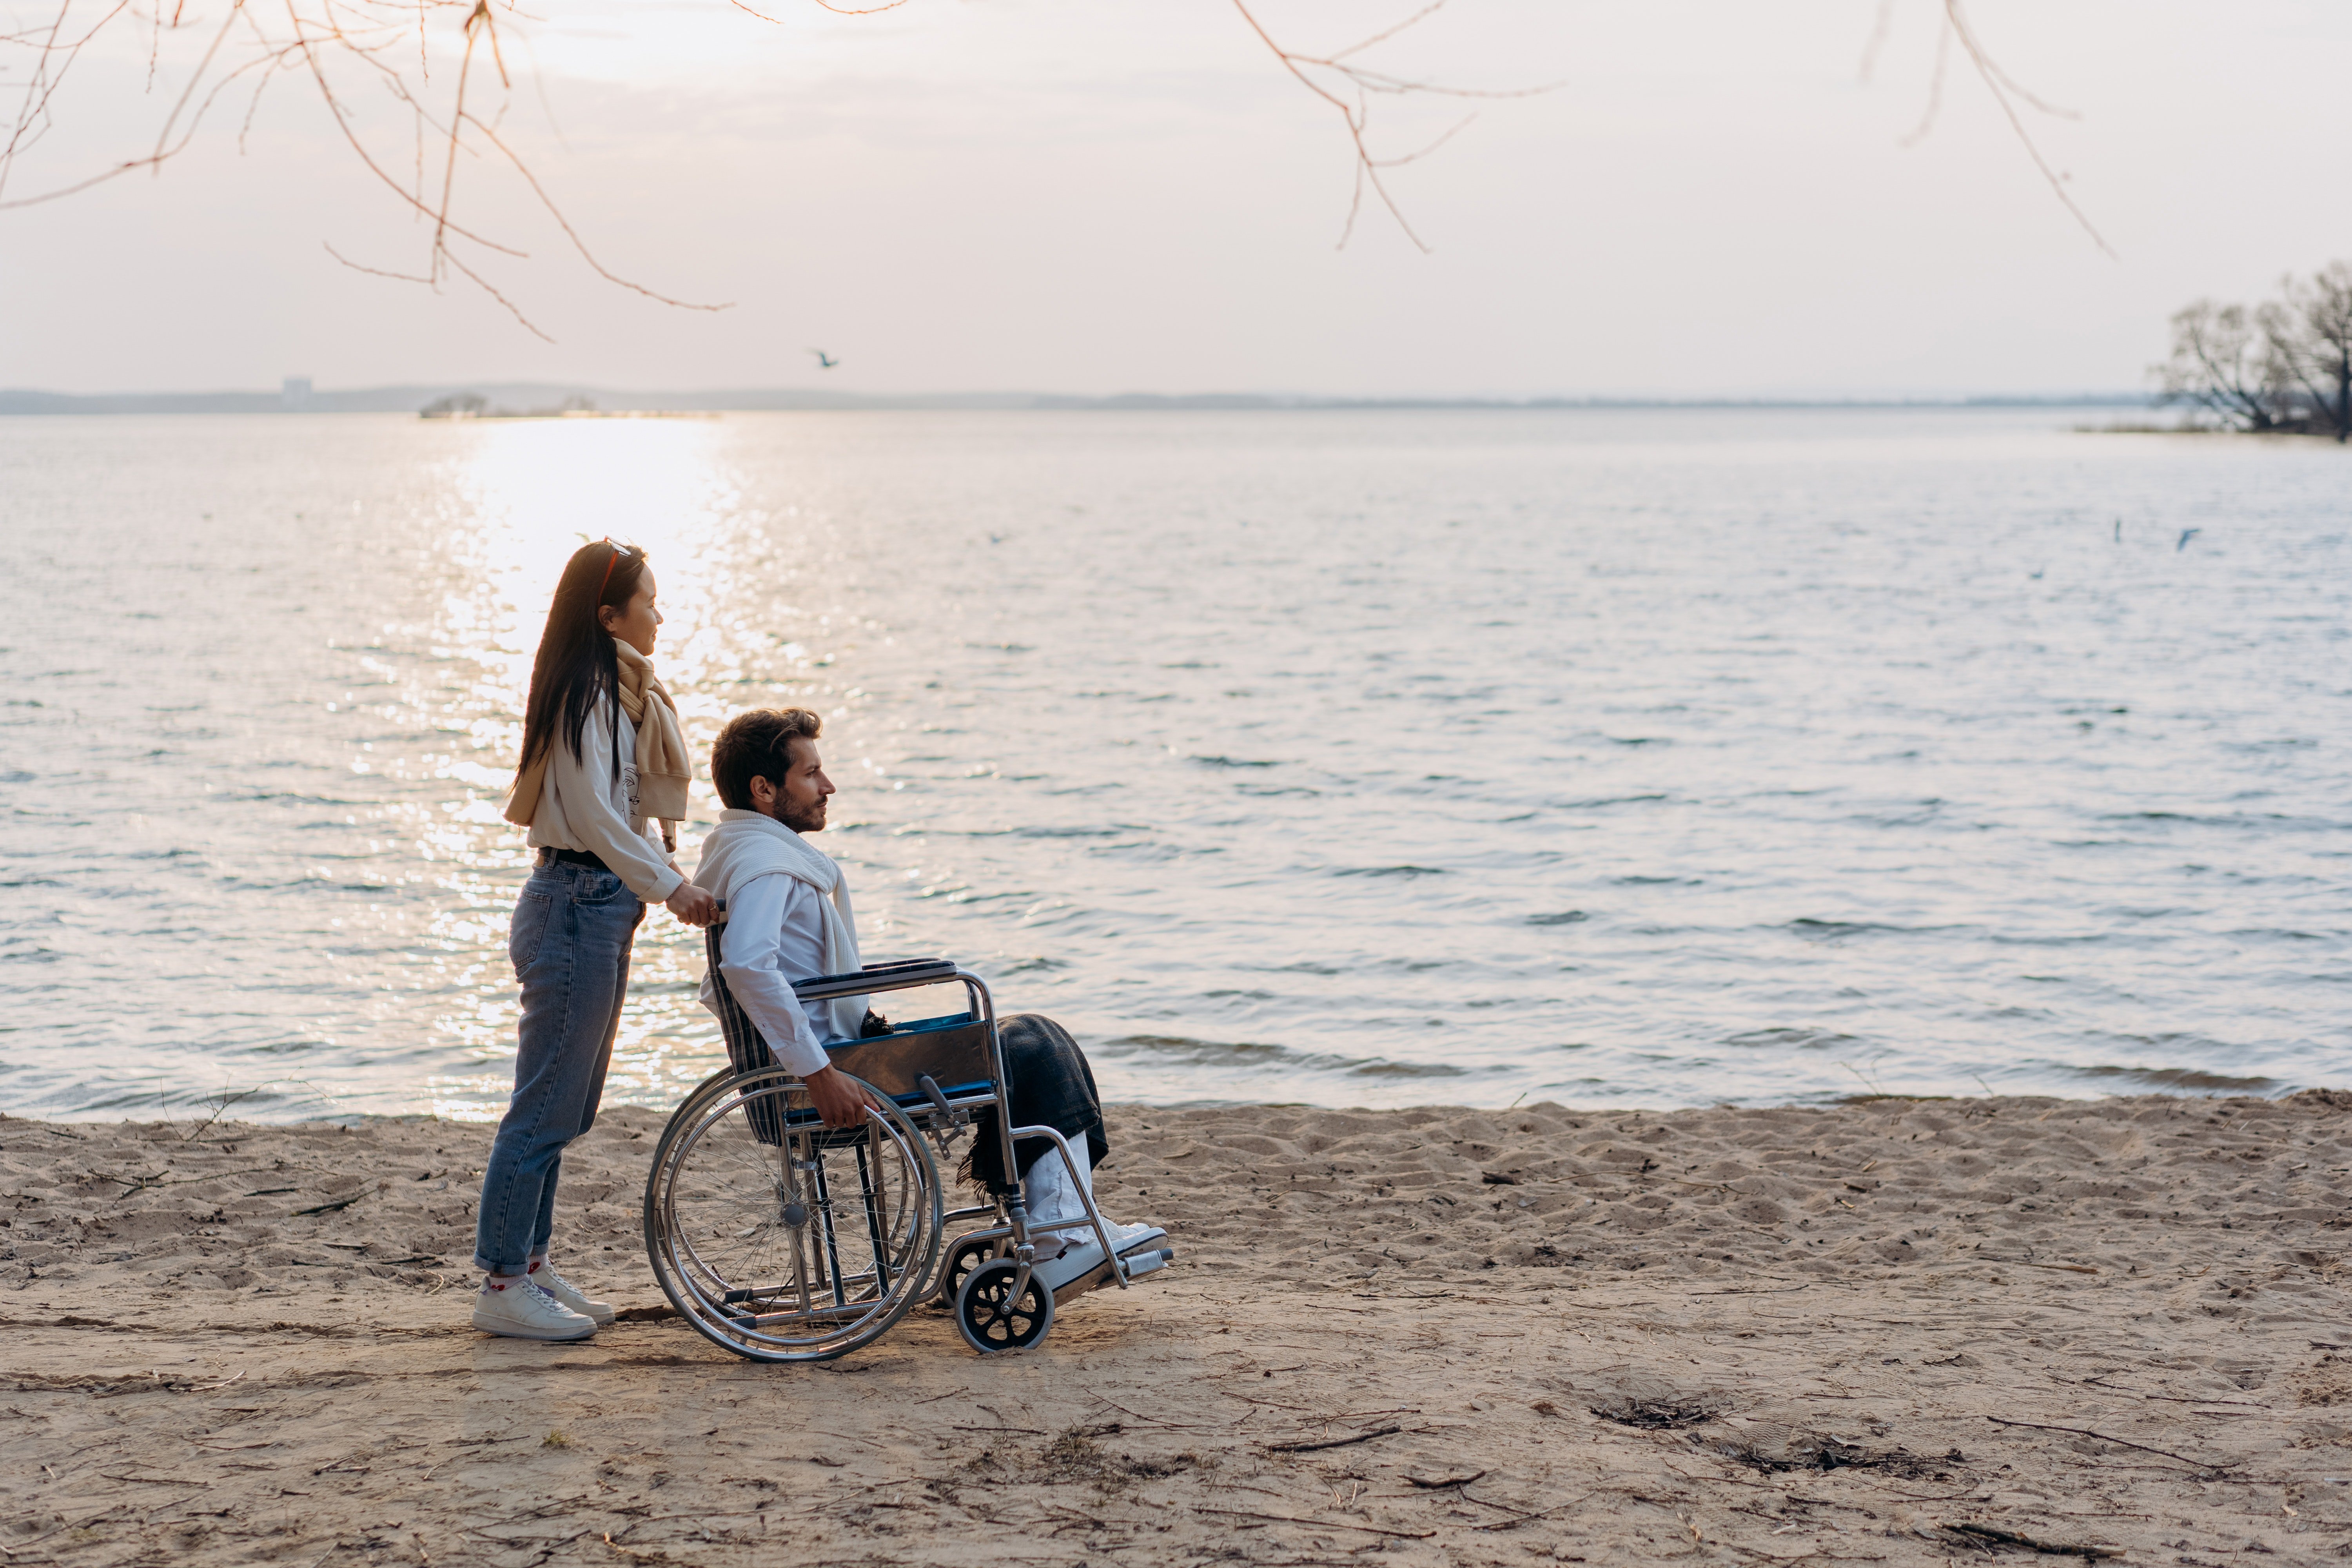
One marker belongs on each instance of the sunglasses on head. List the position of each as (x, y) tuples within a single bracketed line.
[(610, 562)]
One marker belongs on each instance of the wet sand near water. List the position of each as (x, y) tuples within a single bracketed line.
[(1889, 1331)]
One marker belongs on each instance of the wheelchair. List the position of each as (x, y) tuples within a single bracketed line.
[(782, 1240)]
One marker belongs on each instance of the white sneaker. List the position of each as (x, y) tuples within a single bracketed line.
[(1085, 1253), (524, 1312), (557, 1286), (1126, 1238), (1081, 1257)]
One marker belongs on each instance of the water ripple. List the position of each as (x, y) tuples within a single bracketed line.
[(1354, 758)]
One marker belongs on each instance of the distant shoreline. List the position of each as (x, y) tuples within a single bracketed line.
[(551, 397)]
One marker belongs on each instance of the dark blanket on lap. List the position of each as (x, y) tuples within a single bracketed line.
[(1052, 1085)]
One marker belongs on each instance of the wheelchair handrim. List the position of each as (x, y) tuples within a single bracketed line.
[(716, 1312), (904, 1236)]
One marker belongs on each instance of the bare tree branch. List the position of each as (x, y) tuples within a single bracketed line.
[(323, 39), (1935, 88), (1359, 84), (573, 235), (2002, 87), (1879, 31), (375, 271), (1955, 26)]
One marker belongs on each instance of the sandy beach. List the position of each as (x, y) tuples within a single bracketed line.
[(1886, 1331)]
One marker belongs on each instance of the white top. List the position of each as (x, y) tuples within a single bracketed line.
[(775, 935), (585, 804)]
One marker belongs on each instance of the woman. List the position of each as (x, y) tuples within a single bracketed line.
[(602, 762)]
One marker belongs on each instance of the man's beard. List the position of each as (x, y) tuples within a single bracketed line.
[(809, 821)]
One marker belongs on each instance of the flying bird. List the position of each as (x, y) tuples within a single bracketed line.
[(2185, 535), (824, 359)]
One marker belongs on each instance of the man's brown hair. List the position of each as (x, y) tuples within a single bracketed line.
[(757, 745)]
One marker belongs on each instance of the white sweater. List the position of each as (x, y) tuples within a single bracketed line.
[(775, 935), (586, 804)]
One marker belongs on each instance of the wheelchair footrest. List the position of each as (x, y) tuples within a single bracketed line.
[(1138, 1264)]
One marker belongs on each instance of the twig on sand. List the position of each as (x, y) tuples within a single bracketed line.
[(1032, 1431), (1608, 1306), (1518, 1516), (2049, 1548), (330, 1207), (1334, 1443), (1154, 1420), (2102, 1437), (951, 1392), (1321, 1523), (221, 1102), (1441, 1484)]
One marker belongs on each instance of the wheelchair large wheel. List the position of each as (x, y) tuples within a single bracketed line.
[(686, 1109), (780, 1239), (687, 1114)]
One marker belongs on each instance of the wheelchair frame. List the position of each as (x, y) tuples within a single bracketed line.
[(985, 1277)]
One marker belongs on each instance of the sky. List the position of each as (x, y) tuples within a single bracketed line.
[(1098, 196)]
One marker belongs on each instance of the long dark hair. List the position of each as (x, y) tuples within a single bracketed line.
[(576, 665)]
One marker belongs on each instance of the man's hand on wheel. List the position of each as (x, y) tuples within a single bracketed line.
[(841, 1103), (691, 904)]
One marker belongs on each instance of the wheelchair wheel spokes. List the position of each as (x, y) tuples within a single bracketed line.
[(779, 1239), (729, 1216), (992, 1317)]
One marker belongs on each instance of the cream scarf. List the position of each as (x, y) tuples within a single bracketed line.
[(663, 768), (746, 845)]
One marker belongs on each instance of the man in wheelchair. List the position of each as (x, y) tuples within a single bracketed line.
[(789, 917)]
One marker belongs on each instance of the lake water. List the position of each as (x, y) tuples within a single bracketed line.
[(1377, 758)]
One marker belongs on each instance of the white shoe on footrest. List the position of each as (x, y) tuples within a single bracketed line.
[(1085, 1253), (1126, 1238), (1082, 1257)]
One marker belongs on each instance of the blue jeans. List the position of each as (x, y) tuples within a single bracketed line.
[(570, 942)]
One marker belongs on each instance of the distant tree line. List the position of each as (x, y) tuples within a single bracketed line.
[(2284, 366)]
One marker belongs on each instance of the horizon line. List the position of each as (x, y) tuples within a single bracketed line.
[(298, 395)]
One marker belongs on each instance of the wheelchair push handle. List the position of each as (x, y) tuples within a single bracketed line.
[(901, 975)]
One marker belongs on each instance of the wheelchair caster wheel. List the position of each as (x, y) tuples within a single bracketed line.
[(962, 1259), (991, 1320)]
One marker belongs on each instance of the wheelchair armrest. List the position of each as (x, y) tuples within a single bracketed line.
[(900, 976)]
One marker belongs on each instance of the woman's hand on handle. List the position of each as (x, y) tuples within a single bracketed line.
[(691, 904)]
